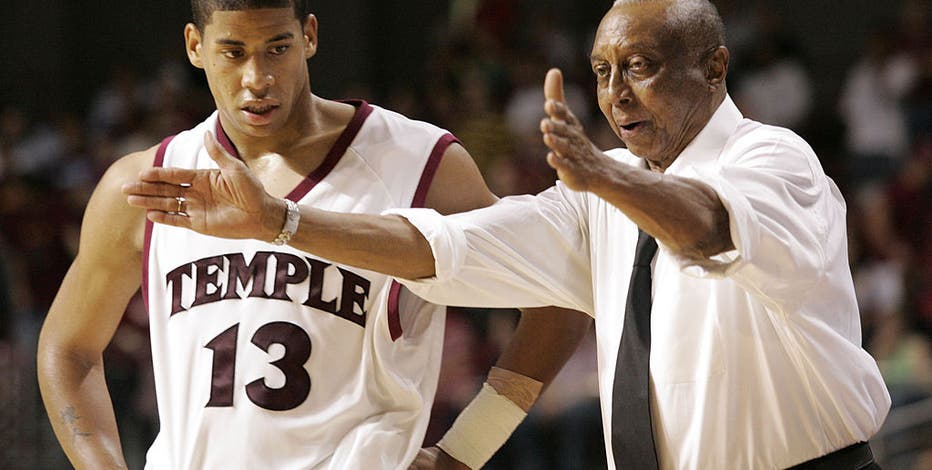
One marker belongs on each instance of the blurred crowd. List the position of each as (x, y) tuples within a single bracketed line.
[(483, 81)]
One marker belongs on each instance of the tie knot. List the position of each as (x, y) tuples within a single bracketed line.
[(646, 248)]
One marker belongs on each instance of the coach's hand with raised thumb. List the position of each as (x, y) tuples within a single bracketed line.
[(577, 160), (227, 202)]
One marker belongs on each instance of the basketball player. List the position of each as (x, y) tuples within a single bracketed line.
[(266, 356)]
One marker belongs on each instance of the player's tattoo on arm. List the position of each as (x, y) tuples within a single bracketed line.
[(70, 417)]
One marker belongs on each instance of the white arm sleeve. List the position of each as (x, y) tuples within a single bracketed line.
[(523, 251)]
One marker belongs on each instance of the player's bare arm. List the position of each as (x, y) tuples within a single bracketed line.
[(82, 320), (686, 215)]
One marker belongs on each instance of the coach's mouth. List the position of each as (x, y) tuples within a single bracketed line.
[(630, 129)]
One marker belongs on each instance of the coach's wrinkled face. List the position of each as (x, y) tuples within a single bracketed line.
[(654, 92), (256, 65)]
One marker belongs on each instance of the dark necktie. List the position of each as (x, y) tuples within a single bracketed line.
[(632, 437)]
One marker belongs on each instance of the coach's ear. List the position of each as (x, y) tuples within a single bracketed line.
[(192, 43)]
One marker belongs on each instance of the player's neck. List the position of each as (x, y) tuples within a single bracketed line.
[(314, 123)]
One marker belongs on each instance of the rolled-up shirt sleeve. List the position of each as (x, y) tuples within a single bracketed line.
[(782, 210), (523, 251)]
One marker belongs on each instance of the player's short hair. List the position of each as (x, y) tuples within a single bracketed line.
[(204, 9)]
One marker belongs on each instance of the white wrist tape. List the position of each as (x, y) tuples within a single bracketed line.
[(481, 429)]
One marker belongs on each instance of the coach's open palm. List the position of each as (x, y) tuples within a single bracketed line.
[(577, 160), (229, 202)]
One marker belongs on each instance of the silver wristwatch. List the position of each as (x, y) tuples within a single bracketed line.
[(292, 217)]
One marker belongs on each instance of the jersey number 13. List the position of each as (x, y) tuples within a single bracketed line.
[(297, 385)]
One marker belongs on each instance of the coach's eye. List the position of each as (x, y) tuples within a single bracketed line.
[(638, 65), (601, 70)]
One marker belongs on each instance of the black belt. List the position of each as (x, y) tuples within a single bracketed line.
[(853, 457)]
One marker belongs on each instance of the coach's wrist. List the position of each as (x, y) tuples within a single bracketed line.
[(272, 219)]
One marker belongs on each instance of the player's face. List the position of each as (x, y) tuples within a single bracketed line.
[(649, 88), (256, 66)]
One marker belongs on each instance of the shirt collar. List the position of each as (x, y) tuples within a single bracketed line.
[(710, 141)]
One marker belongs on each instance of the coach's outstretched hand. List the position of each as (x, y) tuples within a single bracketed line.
[(433, 458), (577, 160), (229, 202)]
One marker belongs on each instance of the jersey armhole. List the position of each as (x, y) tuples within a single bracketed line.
[(420, 196), (147, 238)]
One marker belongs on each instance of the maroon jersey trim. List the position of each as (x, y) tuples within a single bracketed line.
[(363, 110), (147, 238), (420, 196)]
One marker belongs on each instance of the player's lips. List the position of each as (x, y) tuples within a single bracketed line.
[(259, 112)]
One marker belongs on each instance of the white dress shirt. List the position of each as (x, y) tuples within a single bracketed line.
[(755, 357)]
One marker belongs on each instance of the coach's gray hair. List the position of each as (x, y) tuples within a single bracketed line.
[(695, 23)]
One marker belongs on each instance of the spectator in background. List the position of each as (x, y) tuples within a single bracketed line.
[(776, 87), (872, 108)]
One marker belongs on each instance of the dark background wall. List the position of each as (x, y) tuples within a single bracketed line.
[(57, 52)]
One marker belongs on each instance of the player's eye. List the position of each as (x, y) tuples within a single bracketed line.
[(232, 53), (279, 50)]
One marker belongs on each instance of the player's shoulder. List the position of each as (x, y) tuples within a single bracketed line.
[(385, 123), (392, 143), (112, 227), (127, 168)]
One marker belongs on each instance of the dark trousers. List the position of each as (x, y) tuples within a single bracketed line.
[(854, 457)]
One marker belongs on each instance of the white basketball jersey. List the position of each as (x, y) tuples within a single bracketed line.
[(267, 357)]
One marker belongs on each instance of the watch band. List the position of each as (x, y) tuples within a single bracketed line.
[(292, 217)]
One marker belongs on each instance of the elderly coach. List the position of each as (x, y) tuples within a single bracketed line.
[(711, 253), (753, 334)]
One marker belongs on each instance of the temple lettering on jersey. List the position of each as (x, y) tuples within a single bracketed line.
[(229, 276)]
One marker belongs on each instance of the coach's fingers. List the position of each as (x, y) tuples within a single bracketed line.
[(553, 86), (146, 188), (220, 156), (558, 126), (175, 176), (559, 144), (560, 111), (155, 203), (169, 218)]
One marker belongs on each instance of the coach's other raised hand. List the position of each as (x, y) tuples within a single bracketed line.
[(577, 160)]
